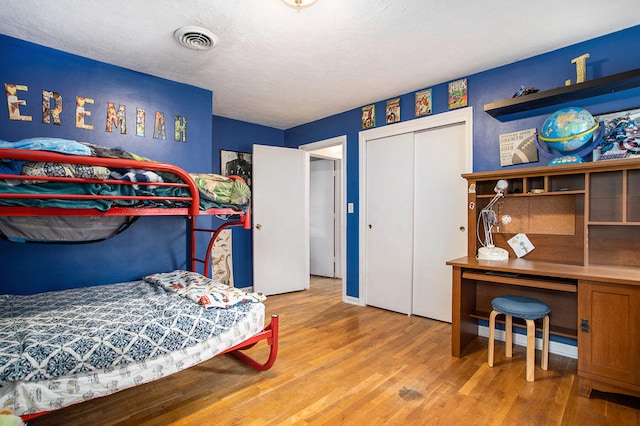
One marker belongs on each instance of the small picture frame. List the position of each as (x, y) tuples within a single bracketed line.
[(424, 102), (369, 116), (458, 94), (620, 135), (393, 110), (236, 163)]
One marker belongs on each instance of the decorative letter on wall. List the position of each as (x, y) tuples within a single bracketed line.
[(581, 69), (116, 118), (51, 98), (181, 128), (81, 112), (139, 122), (159, 131), (122, 119), (14, 103)]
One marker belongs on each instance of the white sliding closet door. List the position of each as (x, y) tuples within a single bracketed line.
[(440, 217), (414, 211), (389, 222)]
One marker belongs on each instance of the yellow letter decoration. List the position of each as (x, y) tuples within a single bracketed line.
[(14, 103), (581, 69), (181, 128), (82, 113), (50, 99)]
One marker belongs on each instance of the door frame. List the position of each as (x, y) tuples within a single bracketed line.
[(459, 116), (342, 211)]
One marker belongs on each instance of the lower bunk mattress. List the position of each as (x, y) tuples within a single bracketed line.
[(64, 347)]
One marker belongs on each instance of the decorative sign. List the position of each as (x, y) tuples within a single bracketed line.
[(518, 147), (369, 117), (620, 135), (393, 111), (52, 106), (458, 94), (424, 101)]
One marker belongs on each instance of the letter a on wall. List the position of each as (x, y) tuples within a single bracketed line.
[(159, 130)]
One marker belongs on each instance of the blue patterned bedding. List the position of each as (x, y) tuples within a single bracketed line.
[(76, 331), (215, 191)]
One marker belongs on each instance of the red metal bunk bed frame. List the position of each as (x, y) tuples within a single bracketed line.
[(269, 333)]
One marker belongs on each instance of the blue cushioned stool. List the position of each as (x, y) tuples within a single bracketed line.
[(528, 309)]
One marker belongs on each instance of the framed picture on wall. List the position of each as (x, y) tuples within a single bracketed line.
[(236, 163)]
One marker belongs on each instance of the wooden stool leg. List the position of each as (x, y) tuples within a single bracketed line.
[(531, 349), (492, 331), (508, 336), (545, 342)]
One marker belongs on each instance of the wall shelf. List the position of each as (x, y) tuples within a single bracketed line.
[(599, 86)]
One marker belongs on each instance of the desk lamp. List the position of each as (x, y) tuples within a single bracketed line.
[(488, 218)]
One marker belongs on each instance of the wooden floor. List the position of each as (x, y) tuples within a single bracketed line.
[(344, 364)]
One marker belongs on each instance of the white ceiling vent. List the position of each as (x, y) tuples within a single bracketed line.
[(196, 38)]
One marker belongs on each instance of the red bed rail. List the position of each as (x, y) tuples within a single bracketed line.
[(111, 163)]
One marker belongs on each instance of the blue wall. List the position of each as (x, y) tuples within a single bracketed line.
[(152, 244), (234, 135), (610, 54), (133, 253)]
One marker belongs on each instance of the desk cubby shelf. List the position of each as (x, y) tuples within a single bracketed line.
[(584, 221)]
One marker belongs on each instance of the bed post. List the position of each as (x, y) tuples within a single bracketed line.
[(270, 334)]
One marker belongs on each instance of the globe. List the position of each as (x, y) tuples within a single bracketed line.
[(568, 129)]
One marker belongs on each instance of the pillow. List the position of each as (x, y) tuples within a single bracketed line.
[(202, 290), (222, 190), (65, 170)]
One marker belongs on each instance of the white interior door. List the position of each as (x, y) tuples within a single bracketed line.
[(322, 218), (389, 222), (280, 203), (441, 216)]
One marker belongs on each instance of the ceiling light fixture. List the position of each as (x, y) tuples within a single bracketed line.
[(299, 4), (196, 38)]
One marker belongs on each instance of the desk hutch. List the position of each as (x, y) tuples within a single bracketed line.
[(584, 221)]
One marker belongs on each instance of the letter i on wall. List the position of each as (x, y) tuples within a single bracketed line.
[(140, 122), (14, 103)]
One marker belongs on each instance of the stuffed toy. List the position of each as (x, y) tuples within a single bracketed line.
[(8, 419)]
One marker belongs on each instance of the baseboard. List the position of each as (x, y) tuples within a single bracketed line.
[(352, 300), (557, 348)]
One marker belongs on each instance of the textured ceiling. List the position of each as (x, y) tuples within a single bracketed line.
[(281, 68)]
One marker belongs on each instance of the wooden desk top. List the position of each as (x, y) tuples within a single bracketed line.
[(603, 273)]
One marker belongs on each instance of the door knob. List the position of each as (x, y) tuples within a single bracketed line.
[(258, 226), (370, 226), (462, 229)]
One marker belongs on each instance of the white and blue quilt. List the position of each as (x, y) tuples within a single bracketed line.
[(76, 331)]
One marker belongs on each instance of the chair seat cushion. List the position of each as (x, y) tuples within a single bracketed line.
[(520, 307)]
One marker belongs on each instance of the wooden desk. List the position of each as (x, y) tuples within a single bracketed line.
[(598, 305)]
